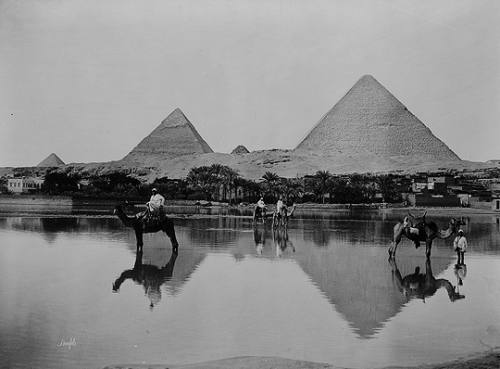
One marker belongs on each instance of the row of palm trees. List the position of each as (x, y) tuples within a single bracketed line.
[(222, 183), (215, 182), (353, 188)]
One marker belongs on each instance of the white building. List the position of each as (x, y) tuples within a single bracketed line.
[(24, 184)]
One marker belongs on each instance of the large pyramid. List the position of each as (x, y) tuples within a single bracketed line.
[(370, 121), (175, 136), (51, 161)]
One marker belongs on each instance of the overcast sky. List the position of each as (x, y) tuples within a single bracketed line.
[(89, 79)]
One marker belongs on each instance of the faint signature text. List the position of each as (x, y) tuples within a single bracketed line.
[(68, 344)]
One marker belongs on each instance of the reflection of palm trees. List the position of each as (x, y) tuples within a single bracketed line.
[(149, 276), (281, 241), (418, 285)]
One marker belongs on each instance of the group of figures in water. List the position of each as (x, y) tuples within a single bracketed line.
[(280, 215), (420, 229), (417, 229)]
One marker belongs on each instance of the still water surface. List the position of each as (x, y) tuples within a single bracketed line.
[(73, 293)]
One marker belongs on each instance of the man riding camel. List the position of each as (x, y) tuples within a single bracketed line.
[(261, 207), (155, 204), (261, 203), (280, 205)]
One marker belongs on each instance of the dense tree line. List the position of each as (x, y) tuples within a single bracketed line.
[(221, 183)]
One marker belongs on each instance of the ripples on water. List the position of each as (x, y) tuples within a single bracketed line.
[(324, 291)]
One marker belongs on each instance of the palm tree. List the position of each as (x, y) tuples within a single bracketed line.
[(201, 179), (270, 181), (239, 182), (323, 178), (386, 185), (217, 174), (338, 189), (291, 187), (357, 188), (251, 189), (229, 177), (314, 187)]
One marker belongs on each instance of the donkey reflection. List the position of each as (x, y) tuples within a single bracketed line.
[(418, 285), (149, 276), (281, 241)]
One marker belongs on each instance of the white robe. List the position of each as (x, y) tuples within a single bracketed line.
[(155, 202)]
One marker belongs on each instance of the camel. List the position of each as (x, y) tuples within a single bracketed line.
[(149, 276), (420, 229), (419, 285), (142, 224), (281, 218)]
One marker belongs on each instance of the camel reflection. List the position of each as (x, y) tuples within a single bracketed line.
[(259, 237), (418, 285), (151, 277), (281, 241)]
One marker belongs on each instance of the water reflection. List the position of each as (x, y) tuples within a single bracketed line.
[(282, 241), (421, 286), (214, 232), (460, 272), (61, 224), (208, 305), (151, 277), (323, 234), (259, 237)]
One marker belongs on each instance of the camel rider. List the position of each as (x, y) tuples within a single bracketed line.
[(261, 206), (280, 204), (155, 204)]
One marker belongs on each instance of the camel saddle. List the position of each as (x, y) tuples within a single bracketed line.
[(151, 219)]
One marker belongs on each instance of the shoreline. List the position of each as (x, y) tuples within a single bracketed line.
[(99, 212), (483, 360), (67, 205)]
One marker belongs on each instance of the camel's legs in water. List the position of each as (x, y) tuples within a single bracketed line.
[(170, 231), (138, 236)]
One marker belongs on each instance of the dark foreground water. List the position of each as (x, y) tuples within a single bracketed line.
[(73, 294)]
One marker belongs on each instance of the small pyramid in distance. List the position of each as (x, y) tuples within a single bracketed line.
[(369, 120), (51, 161), (240, 149), (175, 136)]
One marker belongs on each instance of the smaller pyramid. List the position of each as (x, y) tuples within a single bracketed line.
[(175, 136), (240, 149), (51, 161)]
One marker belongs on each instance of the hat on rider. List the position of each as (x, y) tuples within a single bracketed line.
[(461, 231), (154, 190)]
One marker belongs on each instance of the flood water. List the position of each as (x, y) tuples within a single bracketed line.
[(74, 294)]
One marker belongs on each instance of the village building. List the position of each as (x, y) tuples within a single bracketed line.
[(24, 184)]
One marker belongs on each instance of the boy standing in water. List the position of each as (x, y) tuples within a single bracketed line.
[(460, 247)]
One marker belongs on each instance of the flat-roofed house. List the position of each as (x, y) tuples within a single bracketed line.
[(24, 184)]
